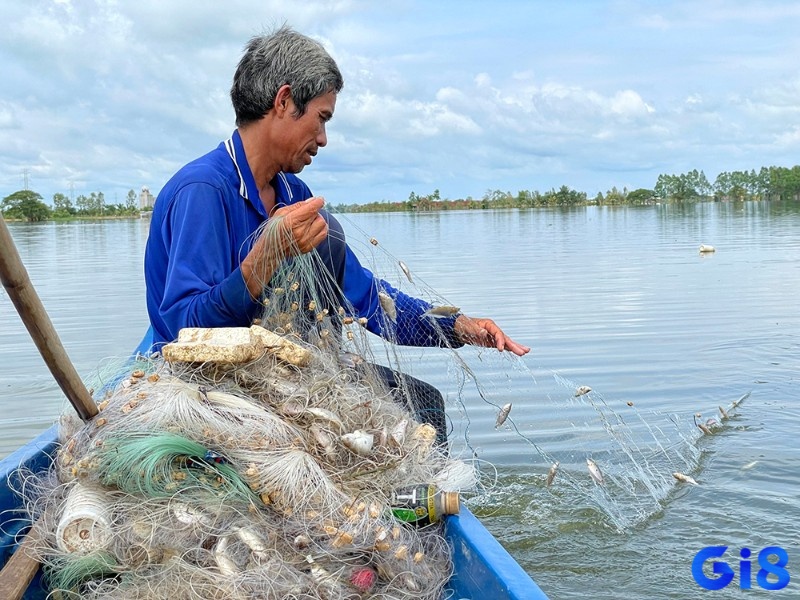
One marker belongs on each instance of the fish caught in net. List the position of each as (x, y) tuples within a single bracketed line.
[(265, 461)]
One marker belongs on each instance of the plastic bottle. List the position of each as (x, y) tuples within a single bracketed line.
[(423, 504)]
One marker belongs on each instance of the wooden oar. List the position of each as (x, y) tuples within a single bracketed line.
[(21, 567)]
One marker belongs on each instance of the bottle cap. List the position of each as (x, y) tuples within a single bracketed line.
[(450, 503)]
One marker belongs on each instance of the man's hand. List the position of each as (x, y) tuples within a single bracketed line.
[(291, 230), (302, 228), (486, 333)]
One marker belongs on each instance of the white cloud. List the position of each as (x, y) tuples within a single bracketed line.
[(117, 95)]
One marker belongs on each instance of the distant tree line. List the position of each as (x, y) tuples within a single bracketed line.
[(30, 206), (773, 183), (769, 183)]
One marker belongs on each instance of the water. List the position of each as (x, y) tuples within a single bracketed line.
[(618, 299)]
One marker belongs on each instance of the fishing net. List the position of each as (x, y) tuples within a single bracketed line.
[(265, 461), (258, 462)]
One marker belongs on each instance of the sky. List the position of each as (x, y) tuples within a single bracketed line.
[(463, 97)]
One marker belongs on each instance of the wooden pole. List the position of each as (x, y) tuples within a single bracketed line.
[(31, 310), (22, 566)]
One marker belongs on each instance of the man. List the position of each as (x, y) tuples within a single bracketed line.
[(204, 265)]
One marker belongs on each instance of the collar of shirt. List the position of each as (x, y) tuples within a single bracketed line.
[(247, 183)]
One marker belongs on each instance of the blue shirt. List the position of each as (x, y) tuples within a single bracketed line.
[(202, 228)]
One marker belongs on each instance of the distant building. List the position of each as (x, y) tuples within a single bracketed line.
[(146, 199)]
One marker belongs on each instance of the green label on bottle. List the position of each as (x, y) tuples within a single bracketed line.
[(410, 515), (414, 504)]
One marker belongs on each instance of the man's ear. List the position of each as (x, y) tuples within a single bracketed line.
[(283, 99)]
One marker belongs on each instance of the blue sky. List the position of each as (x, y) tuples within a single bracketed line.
[(462, 97)]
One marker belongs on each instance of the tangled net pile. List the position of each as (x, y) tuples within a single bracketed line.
[(258, 479)]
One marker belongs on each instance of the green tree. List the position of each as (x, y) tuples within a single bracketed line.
[(25, 204), (615, 196), (82, 205), (640, 196), (62, 206), (130, 201)]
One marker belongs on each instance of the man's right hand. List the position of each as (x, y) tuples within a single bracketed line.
[(303, 226), (294, 229)]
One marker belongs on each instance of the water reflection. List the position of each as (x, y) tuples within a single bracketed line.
[(611, 297)]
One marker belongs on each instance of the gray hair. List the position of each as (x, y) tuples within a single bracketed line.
[(272, 60)]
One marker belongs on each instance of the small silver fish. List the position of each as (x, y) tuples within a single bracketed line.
[(594, 471), (684, 478), (584, 389), (502, 415), (551, 474), (440, 312), (387, 304), (406, 270), (740, 400)]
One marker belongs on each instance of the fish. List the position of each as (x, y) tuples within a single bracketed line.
[(325, 415), (584, 389), (702, 426), (594, 471), (398, 433), (684, 478), (551, 474), (224, 562), (387, 304), (406, 270), (440, 312), (359, 441), (740, 400), (749, 465), (502, 415)]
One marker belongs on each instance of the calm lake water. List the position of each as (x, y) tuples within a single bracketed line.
[(617, 299)]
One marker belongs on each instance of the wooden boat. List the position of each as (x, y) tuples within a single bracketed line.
[(483, 569)]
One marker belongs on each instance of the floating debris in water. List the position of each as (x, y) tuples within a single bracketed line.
[(584, 389), (750, 465), (502, 415), (705, 248)]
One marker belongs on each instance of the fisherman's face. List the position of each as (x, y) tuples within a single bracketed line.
[(305, 135)]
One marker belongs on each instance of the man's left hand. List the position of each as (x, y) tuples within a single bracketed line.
[(486, 333)]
